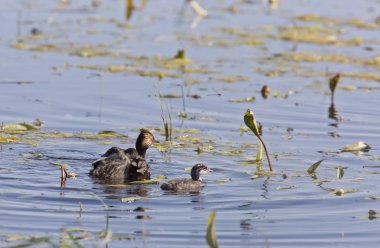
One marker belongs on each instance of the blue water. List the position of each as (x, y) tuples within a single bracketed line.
[(249, 213)]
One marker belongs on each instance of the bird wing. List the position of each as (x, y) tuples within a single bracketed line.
[(110, 167)]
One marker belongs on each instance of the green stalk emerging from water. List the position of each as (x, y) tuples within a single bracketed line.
[(250, 121), (333, 82)]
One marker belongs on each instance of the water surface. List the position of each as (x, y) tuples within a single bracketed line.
[(73, 93)]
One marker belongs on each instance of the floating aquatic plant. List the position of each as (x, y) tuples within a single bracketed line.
[(18, 127), (250, 121), (355, 147), (311, 170)]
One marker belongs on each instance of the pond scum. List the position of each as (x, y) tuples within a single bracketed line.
[(314, 29)]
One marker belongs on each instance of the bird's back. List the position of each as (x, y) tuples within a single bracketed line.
[(112, 167), (183, 185)]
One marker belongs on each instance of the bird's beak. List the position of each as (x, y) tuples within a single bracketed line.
[(209, 170)]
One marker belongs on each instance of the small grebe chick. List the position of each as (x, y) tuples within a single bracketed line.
[(193, 185)]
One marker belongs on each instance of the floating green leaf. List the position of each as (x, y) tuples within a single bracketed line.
[(314, 166), (211, 235)]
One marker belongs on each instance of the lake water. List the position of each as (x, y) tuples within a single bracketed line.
[(83, 67)]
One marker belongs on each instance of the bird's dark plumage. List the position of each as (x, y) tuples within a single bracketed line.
[(192, 185), (129, 165)]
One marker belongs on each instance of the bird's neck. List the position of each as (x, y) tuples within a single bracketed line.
[(142, 152), (196, 176)]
